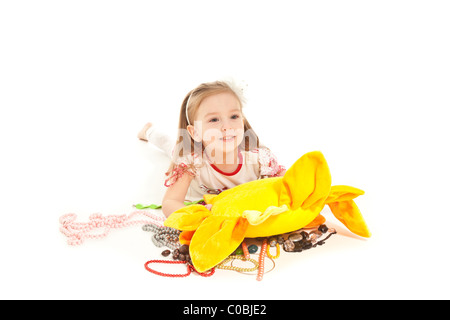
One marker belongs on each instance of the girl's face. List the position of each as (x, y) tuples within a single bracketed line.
[(220, 124)]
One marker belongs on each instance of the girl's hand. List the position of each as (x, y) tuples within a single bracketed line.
[(208, 206)]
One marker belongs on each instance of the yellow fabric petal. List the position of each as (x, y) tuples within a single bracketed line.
[(348, 213), (343, 193), (187, 218), (215, 239), (307, 182)]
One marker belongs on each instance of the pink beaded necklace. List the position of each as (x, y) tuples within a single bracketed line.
[(77, 232)]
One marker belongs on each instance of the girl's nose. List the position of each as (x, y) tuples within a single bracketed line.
[(226, 125)]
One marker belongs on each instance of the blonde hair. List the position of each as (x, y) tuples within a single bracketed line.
[(194, 98)]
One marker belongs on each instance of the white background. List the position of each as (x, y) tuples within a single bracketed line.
[(365, 82)]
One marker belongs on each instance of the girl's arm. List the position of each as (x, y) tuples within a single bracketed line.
[(175, 195)]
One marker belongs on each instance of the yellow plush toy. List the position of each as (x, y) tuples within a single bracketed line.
[(263, 208)]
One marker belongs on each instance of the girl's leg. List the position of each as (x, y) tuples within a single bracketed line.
[(160, 139)]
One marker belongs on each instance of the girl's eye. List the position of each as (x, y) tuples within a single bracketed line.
[(234, 117)]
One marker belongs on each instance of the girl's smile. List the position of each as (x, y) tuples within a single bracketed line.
[(228, 138)]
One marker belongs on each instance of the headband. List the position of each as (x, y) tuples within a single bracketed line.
[(187, 105)]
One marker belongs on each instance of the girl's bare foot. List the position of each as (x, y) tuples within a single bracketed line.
[(141, 135)]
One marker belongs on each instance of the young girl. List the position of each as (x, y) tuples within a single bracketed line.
[(216, 147)]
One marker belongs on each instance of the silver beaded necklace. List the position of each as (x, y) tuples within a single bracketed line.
[(163, 236)]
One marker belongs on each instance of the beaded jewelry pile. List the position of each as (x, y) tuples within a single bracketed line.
[(297, 241), (167, 237)]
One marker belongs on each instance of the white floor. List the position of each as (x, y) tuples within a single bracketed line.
[(366, 85)]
